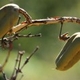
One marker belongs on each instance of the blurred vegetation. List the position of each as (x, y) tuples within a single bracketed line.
[(42, 64)]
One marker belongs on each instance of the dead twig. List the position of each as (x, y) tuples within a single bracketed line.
[(18, 68), (38, 22), (28, 58)]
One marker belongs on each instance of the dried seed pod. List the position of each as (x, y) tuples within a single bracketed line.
[(9, 15), (70, 54)]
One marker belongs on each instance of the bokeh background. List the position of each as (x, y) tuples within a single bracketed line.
[(42, 65)]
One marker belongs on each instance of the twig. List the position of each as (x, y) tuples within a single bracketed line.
[(17, 68), (4, 76), (19, 27), (6, 60), (14, 70), (7, 41), (28, 58), (38, 22)]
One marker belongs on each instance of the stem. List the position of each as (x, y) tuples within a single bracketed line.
[(38, 22)]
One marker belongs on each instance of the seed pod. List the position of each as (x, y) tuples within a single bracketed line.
[(70, 54), (9, 15)]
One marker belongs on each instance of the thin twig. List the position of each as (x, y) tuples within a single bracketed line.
[(28, 58), (14, 70), (17, 69), (4, 76), (6, 60), (1, 71), (38, 22), (8, 40)]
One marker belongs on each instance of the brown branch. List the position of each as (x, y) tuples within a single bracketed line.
[(29, 57), (22, 25), (38, 22)]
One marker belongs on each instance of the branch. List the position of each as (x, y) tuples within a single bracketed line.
[(38, 22)]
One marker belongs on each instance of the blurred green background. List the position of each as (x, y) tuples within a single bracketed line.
[(42, 64)]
